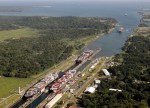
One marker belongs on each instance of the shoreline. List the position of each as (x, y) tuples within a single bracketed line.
[(99, 36), (134, 54)]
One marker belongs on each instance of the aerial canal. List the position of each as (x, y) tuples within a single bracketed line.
[(37, 99), (110, 44)]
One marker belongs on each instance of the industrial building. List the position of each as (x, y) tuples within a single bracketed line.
[(53, 101), (97, 81), (106, 72), (89, 90)]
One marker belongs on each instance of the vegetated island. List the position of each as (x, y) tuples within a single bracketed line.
[(8, 9), (130, 75), (146, 16), (30, 45)]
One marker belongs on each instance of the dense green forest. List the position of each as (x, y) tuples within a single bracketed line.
[(132, 76), (7, 23), (57, 38)]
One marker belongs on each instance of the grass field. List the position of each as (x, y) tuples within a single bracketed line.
[(9, 100), (19, 33), (9, 85)]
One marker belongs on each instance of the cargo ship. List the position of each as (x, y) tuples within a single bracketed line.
[(62, 80), (121, 30), (39, 87), (83, 56)]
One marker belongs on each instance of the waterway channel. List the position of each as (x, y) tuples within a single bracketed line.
[(111, 43)]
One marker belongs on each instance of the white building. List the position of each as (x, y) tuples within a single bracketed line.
[(72, 90), (97, 81), (53, 101), (111, 89), (106, 72), (90, 90)]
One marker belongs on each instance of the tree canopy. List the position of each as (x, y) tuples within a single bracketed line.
[(57, 38)]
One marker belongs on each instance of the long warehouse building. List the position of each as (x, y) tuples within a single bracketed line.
[(53, 101), (106, 72)]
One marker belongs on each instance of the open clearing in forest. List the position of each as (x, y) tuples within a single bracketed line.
[(8, 85), (18, 33)]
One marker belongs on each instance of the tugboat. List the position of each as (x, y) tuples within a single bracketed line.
[(121, 30)]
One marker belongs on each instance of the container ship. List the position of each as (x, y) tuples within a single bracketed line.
[(121, 30), (40, 86), (83, 56), (64, 79)]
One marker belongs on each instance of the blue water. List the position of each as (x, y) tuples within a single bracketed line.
[(111, 43)]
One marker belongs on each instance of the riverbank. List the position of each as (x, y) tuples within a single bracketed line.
[(146, 16), (131, 76)]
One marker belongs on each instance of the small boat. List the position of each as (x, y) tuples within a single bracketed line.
[(121, 30), (125, 14)]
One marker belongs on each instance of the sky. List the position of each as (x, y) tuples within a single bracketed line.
[(44, 2), (68, 0)]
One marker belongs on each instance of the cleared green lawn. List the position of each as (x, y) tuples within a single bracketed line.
[(19, 33), (9, 100), (9, 85)]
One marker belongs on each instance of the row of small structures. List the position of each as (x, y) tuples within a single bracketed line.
[(92, 89)]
